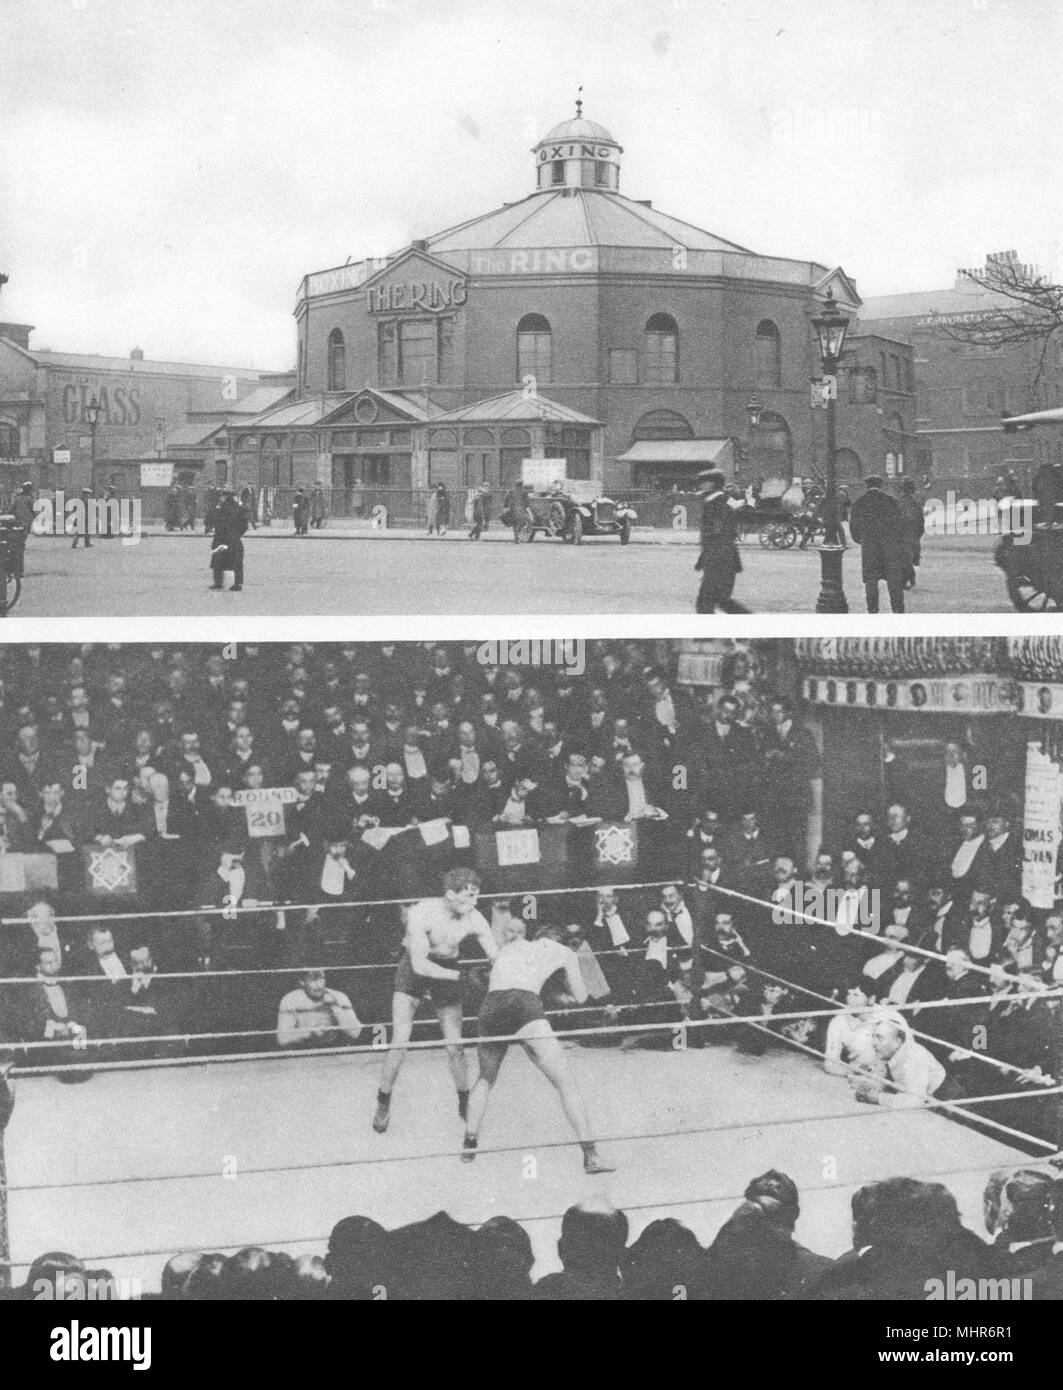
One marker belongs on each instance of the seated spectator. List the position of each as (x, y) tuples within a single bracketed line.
[(591, 1248), (360, 1260), (906, 1233), (522, 805), (1021, 1218), (52, 1011), (1021, 949), (979, 931), (754, 1254), (151, 1007), (502, 1262), (664, 1264), (316, 1016)]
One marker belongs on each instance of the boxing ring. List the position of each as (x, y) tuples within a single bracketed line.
[(131, 1167), (148, 1158)]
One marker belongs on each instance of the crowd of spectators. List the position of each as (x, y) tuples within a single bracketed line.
[(150, 747), (908, 1243)]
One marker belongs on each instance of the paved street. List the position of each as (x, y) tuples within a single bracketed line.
[(376, 574)]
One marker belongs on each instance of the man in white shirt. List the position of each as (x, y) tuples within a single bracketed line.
[(955, 777), (609, 920), (639, 803), (512, 1008), (50, 1017), (677, 913), (192, 758), (914, 1073), (970, 843), (516, 810), (315, 1015)]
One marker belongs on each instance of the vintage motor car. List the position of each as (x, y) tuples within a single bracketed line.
[(572, 509)]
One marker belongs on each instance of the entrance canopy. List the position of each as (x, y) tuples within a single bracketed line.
[(661, 462), (1034, 417)]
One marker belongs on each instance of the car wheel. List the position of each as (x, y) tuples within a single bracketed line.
[(574, 529)]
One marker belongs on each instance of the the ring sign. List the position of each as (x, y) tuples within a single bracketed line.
[(264, 807), (433, 295)]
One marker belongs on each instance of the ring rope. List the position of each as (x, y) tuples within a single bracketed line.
[(769, 1122), (427, 1043), (916, 1007), (234, 909)]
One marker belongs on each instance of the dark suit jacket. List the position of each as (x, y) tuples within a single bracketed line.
[(35, 1011), (1000, 871), (877, 526), (718, 558)]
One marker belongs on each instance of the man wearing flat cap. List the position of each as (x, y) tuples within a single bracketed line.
[(719, 561)]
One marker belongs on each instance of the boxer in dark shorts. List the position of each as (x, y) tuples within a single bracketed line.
[(512, 1011), (423, 988), (506, 1011)]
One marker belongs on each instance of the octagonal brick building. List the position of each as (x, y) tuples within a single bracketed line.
[(575, 323)]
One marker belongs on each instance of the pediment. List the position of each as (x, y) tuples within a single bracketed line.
[(369, 407), (415, 283)]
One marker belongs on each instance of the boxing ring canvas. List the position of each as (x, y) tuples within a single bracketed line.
[(132, 1166)]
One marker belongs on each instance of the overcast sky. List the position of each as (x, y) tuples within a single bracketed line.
[(169, 171)]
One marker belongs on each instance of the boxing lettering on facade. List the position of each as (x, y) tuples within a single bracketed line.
[(414, 295), (573, 151)]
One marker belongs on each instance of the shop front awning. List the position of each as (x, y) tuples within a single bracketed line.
[(680, 454), (1012, 423)]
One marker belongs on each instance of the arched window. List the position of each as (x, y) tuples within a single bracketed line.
[(662, 424), (534, 348), (662, 351), (771, 450), (767, 353), (337, 361)]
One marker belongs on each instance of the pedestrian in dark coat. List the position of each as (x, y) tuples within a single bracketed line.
[(914, 525), (211, 499), (229, 521), (301, 513), (719, 560), (877, 526)]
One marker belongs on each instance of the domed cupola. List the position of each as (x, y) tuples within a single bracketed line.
[(578, 154)]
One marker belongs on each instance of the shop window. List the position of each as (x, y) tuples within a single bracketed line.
[(9, 445), (661, 351)]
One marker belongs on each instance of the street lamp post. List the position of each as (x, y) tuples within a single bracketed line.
[(831, 326), (92, 415)]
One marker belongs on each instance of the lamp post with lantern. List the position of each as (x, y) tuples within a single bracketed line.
[(831, 326), (92, 416)]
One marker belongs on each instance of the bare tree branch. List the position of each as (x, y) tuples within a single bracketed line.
[(1029, 310)]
